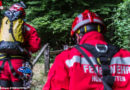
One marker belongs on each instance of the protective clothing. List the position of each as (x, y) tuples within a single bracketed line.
[(10, 64), (70, 70), (86, 18)]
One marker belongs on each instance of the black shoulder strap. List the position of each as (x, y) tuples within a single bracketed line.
[(87, 58), (96, 50), (107, 78), (11, 30)]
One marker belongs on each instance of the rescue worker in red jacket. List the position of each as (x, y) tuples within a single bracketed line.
[(71, 71), (9, 74)]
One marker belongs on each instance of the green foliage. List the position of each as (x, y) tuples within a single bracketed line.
[(121, 21), (53, 18)]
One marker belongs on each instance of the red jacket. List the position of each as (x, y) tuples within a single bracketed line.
[(31, 39), (68, 73)]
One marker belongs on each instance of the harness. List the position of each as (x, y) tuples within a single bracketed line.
[(6, 58), (103, 55)]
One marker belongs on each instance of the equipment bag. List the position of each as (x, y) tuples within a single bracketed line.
[(26, 70), (11, 35), (103, 55)]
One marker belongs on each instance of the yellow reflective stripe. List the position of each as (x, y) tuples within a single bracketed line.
[(99, 29), (78, 31), (98, 60), (85, 29), (15, 56), (3, 54), (2, 57)]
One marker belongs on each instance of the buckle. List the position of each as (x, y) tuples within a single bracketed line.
[(101, 48)]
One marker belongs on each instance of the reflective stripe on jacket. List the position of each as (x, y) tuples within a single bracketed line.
[(70, 70)]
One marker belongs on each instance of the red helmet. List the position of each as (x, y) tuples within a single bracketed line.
[(18, 7), (85, 18)]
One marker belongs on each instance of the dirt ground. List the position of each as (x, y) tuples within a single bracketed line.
[(39, 78)]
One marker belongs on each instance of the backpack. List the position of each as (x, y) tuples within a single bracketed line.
[(11, 34)]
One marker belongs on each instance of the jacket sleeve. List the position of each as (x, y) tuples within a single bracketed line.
[(32, 41), (58, 76)]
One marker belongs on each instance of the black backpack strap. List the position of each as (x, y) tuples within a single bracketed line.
[(106, 86), (86, 57), (102, 51), (104, 57), (12, 69), (11, 30), (2, 66)]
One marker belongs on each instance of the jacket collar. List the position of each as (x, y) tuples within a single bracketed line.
[(93, 38)]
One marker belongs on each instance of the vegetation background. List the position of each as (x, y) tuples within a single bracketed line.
[(53, 19)]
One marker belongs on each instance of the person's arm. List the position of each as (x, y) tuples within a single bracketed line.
[(58, 76), (32, 41)]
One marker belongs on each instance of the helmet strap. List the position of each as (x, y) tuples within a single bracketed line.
[(89, 27)]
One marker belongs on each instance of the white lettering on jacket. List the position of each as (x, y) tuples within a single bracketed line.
[(119, 66), (117, 78), (115, 60), (115, 69)]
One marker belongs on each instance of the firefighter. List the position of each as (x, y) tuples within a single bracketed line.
[(10, 75), (109, 64)]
